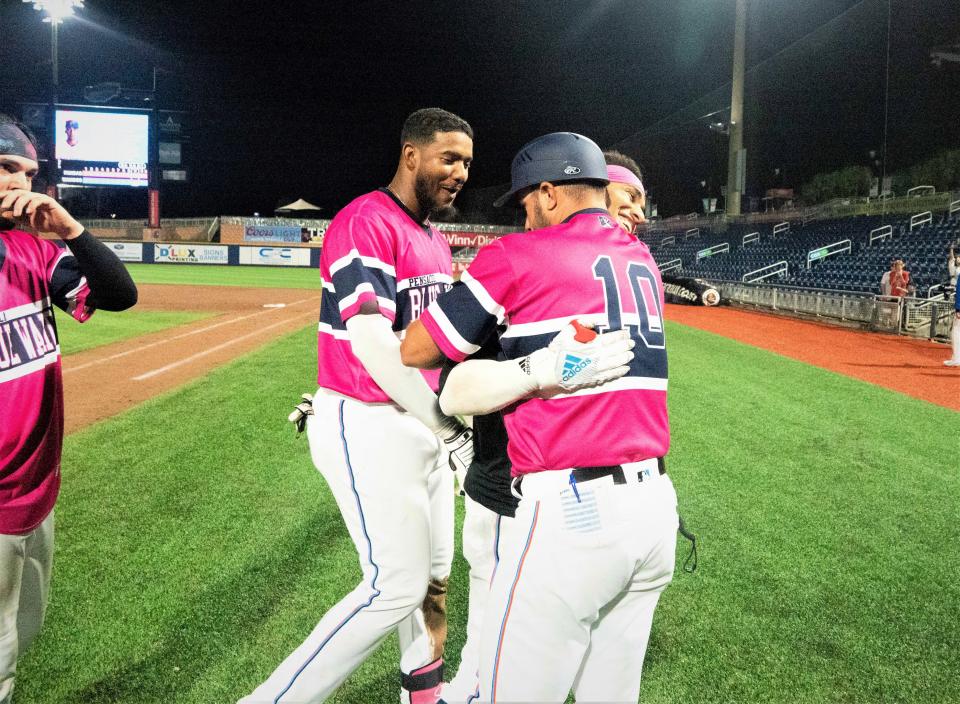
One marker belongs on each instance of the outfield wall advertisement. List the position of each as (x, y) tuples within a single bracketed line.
[(127, 251), (190, 253), (272, 233), (469, 239), (275, 256)]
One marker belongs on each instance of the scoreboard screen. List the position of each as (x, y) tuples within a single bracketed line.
[(98, 147)]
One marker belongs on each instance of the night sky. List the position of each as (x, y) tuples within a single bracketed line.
[(292, 100)]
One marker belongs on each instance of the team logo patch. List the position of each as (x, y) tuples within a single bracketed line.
[(573, 365), (605, 221), (571, 170)]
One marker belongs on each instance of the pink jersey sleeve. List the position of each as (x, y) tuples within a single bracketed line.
[(359, 265)]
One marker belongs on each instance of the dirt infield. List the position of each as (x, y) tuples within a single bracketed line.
[(104, 381), (912, 367)]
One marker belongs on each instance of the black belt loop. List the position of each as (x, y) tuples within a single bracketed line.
[(662, 464)]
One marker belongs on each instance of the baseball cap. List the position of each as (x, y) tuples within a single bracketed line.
[(555, 157)]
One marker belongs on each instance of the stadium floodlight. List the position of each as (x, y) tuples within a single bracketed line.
[(56, 10)]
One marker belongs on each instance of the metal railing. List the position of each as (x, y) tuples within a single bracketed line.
[(670, 265), (954, 208), (715, 249), (752, 237), (780, 268), (693, 232), (668, 240), (915, 317), (880, 233), (781, 227), (920, 219), (821, 253), (918, 191)]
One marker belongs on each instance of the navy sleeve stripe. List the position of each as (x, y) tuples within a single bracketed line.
[(473, 322), (347, 281), (65, 281)]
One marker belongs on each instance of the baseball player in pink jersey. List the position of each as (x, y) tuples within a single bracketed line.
[(377, 434), (592, 545), (35, 275)]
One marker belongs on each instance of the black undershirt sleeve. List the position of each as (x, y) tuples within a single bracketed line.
[(111, 287)]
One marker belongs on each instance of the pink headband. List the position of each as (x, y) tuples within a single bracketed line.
[(619, 174)]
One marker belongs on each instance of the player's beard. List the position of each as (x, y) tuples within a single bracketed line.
[(537, 219), (425, 191)]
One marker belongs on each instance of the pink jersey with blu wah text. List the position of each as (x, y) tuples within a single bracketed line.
[(34, 275), (593, 267), (375, 251)]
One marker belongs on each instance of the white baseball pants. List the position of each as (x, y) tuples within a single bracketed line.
[(580, 574), (392, 484), (25, 565)]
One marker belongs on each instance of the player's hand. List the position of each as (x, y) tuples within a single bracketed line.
[(579, 358), (38, 211)]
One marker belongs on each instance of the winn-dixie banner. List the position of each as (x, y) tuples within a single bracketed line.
[(271, 233), (469, 239), (695, 292)]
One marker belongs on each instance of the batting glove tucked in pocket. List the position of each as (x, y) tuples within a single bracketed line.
[(300, 412)]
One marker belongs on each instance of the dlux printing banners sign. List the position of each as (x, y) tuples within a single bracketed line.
[(190, 253)]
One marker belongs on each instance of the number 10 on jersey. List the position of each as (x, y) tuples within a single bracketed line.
[(648, 319)]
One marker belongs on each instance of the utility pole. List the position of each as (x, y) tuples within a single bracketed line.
[(737, 159)]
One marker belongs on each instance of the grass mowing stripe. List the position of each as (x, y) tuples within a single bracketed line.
[(105, 328), (222, 275), (197, 546)]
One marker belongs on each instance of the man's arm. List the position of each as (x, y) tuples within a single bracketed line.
[(576, 358), (418, 349)]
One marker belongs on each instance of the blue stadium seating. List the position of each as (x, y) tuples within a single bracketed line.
[(924, 250)]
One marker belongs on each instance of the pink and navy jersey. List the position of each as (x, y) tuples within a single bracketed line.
[(375, 251), (533, 284), (35, 274)]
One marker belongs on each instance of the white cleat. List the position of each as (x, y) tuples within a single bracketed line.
[(952, 363)]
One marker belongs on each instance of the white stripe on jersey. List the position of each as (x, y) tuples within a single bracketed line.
[(73, 293), (541, 327), (30, 367), (327, 286), (624, 383), (384, 303), (483, 298), (404, 284), (453, 337), (327, 329), (25, 309), (371, 262)]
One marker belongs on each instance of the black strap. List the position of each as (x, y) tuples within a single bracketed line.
[(424, 681), (111, 287), (689, 566)]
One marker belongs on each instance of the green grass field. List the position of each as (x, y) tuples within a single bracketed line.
[(197, 546), (104, 329), (222, 275)]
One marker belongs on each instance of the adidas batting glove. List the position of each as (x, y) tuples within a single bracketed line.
[(579, 358)]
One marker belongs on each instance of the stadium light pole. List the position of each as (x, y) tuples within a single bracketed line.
[(736, 161), (56, 12)]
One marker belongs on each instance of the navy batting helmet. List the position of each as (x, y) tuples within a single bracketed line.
[(555, 157)]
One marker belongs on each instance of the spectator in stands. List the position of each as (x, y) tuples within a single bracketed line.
[(899, 279), (953, 267), (304, 234), (885, 279)]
